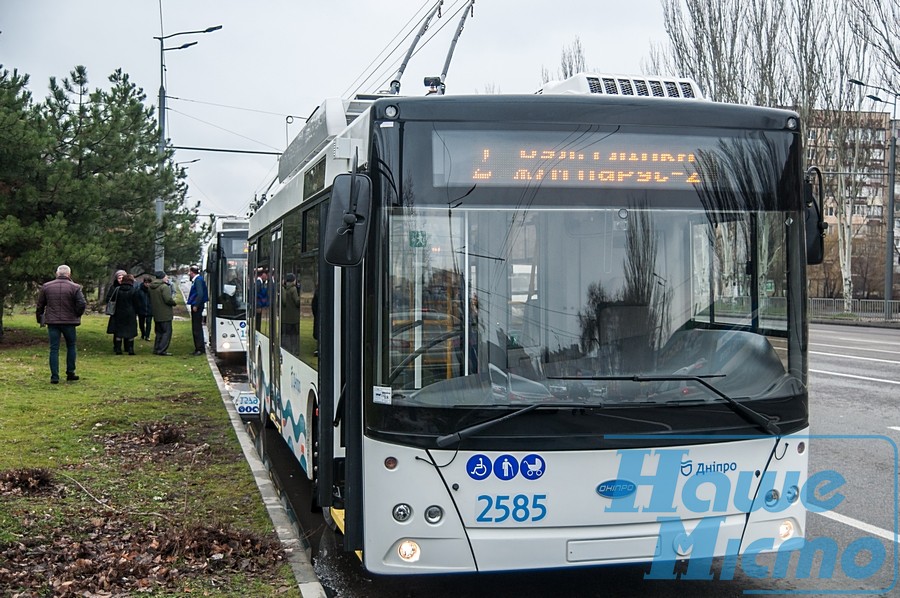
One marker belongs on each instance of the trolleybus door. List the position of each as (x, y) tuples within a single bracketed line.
[(275, 358)]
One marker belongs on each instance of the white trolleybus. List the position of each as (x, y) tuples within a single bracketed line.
[(541, 331), (225, 272)]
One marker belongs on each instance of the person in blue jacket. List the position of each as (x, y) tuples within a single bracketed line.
[(197, 298)]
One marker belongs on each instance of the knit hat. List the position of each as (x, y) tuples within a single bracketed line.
[(160, 274)]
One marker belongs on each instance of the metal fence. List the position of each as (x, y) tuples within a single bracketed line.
[(861, 310)]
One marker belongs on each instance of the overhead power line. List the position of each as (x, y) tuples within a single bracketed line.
[(226, 150), (281, 114)]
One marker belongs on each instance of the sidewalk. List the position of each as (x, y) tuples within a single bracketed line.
[(296, 550)]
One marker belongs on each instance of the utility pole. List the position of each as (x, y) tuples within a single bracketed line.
[(159, 237)]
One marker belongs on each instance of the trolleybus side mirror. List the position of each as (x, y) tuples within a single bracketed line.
[(815, 218), (347, 224)]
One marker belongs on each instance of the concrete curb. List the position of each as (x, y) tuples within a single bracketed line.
[(296, 551)]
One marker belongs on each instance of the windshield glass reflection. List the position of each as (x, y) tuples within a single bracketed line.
[(497, 307)]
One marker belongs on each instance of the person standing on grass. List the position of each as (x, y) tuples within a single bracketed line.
[(144, 314), (161, 304), (112, 295), (197, 298), (123, 323), (60, 305)]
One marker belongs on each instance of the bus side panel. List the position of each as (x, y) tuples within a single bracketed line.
[(260, 375), (297, 388)]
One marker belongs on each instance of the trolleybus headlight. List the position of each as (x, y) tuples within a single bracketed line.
[(390, 463), (801, 447), (792, 494), (792, 123), (391, 111), (772, 497), (786, 530), (408, 551), (434, 514), (402, 512)]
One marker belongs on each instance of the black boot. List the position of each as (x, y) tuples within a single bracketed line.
[(117, 346), (129, 346)]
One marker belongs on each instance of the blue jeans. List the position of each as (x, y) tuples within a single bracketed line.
[(68, 333)]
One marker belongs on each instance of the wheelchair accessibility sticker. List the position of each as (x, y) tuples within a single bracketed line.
[(506, 467)]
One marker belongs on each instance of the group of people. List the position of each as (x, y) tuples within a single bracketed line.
[(132, 307)]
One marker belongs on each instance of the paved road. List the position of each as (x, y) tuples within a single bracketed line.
[(855, 423)]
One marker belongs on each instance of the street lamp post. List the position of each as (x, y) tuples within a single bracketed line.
[(158, 246), (889, 216)]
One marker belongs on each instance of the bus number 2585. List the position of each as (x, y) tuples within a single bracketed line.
[(521, 507)]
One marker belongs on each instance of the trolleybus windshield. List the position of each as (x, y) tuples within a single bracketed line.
[(233, 272), (549, 266)]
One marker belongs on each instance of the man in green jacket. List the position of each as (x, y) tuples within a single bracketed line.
[(161, 304)]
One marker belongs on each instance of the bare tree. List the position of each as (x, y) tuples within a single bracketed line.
[(571, 62), (877, 22), (572, 59), (841, 145), (797, 53), (705, 43)]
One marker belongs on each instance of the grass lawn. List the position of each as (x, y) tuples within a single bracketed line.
[(129, 480)]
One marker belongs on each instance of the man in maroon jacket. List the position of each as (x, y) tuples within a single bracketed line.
[(60, 305)]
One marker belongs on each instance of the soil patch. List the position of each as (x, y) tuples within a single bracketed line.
[(16, 338), (98, 552), (155, 442), (110, 557)]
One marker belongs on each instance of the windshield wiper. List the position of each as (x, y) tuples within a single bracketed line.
[(448, 439), (754, 417)]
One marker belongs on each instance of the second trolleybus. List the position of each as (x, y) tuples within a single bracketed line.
[(225, 271), (541, 331)]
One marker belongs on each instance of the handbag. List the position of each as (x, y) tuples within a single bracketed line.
[(111, 304)]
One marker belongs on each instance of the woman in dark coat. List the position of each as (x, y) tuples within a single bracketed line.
[(123, 324), (145, 313), (112, 293)]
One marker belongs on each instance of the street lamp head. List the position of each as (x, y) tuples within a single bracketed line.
[(181, 47), (207, 30), (876, 98), (856, 82)]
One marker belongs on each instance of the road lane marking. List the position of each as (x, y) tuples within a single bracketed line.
[(856, 377), (865, 340), (860, 525), (891, 351), (854, 357), (894, 428)]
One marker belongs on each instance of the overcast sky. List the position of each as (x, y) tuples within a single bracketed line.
[(277, 58)]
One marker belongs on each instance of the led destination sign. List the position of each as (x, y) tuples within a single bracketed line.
[(657, 168), (595, 159)]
